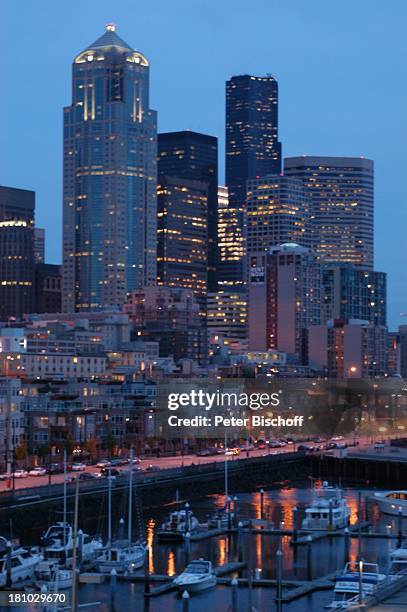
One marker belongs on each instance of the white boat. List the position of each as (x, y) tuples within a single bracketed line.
[(398, 560), (328, 509), (21, 563), (354, 581), (197, 576), (122, 556), (52, 576), (392, 502), (57, 544), (178, 524)]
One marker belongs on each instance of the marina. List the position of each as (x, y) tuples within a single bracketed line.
[(265, 555)]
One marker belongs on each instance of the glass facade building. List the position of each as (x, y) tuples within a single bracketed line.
[(341, 194), (231, 243), (194, 156), (110, 177), (278, 211), (350, 293), (182, 234), (252, 146)]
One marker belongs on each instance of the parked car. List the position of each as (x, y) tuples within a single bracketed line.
[(109, 472), (232, 451), (37, 471), (118, 462), (55, 468), (152, 468), (87, 476), (103, 463), (78, 467), (20, 474)]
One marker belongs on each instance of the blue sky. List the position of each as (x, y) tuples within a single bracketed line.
[(340, 66)]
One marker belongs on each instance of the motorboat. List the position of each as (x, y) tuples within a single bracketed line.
[(222, 519), (122, 556), (392, 502), (197, 576), (177, 525), (20, 562), (328, 509), (398, 560), (51, 575), (357, 579), (58, 545)]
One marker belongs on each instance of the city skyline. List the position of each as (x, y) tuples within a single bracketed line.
[(334, 109)]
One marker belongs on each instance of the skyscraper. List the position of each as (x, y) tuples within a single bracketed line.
[(17, 212), (110, 152), (351, 293), (231, 243), (341, 193), (284, 299), (182, 234), (17, 205), (277, 212), (194, 156), (252, 146)]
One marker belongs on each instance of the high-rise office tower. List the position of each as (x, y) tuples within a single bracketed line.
[(17, 270), (231, 242), (110, 158), (17, 211), (252, 146), (284, 299), (341, 193), (17, 205), (351, 293), (39, 245), (277, 209), (182, 234), (194, 156)]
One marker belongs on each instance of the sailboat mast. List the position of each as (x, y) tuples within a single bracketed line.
[(64, 498), (226, 468), (74, 605), (129, 521), (109, 507)]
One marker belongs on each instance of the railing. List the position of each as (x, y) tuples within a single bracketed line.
[(47, 491)]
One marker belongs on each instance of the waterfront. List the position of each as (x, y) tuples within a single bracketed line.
[(328, 555)]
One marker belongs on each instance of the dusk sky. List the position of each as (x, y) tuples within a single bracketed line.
[(340, 67)]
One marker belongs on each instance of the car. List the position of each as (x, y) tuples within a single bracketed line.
[(37, 471), (55, 468), (275, 444), (103, 463), (117, 462), (232, 451), (379, 445), (247, 447), (305, 447), (87, 476), (109, 472), (20, 474), (152, 468), (78, 467), (3, 476), (205, 452)]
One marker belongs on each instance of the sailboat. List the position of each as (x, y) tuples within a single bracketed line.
[(121, 554), (58, 541)]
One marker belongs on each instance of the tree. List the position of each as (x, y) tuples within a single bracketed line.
[(20, 452)]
